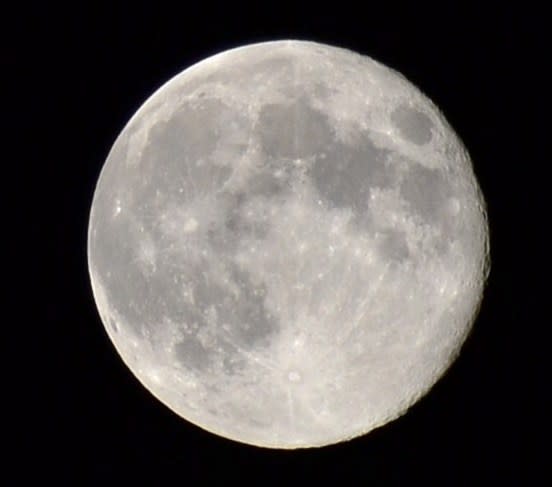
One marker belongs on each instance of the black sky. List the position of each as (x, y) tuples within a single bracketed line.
[(74, 77)]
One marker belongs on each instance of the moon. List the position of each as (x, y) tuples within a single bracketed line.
[(288, 245)]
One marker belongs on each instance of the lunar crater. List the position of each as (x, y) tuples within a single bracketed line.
[(413, 124)]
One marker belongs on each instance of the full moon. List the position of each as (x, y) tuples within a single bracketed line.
[(288, 245)]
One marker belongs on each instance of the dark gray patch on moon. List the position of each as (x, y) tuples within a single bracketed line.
[(241, 319), (232, 362), (413, 125), (392, 245), (267, 184), (241, 226), (116, 261), (293, 131), (427, 191), (248, 318), (190, 134), (191, 353), (235, 224), (179, 149), (344, 176)]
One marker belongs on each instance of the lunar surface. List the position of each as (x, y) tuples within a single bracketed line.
[(287, 244)]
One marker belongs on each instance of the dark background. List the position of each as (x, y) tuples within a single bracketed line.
[(76, 73)]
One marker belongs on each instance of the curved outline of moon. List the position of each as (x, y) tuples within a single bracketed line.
[(287, 244)]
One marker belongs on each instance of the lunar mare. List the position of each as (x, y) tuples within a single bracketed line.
[(287, 244)]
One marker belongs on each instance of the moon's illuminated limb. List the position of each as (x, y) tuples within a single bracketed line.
[(287, 244)]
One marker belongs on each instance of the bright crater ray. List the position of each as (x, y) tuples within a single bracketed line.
[(287, 244)]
